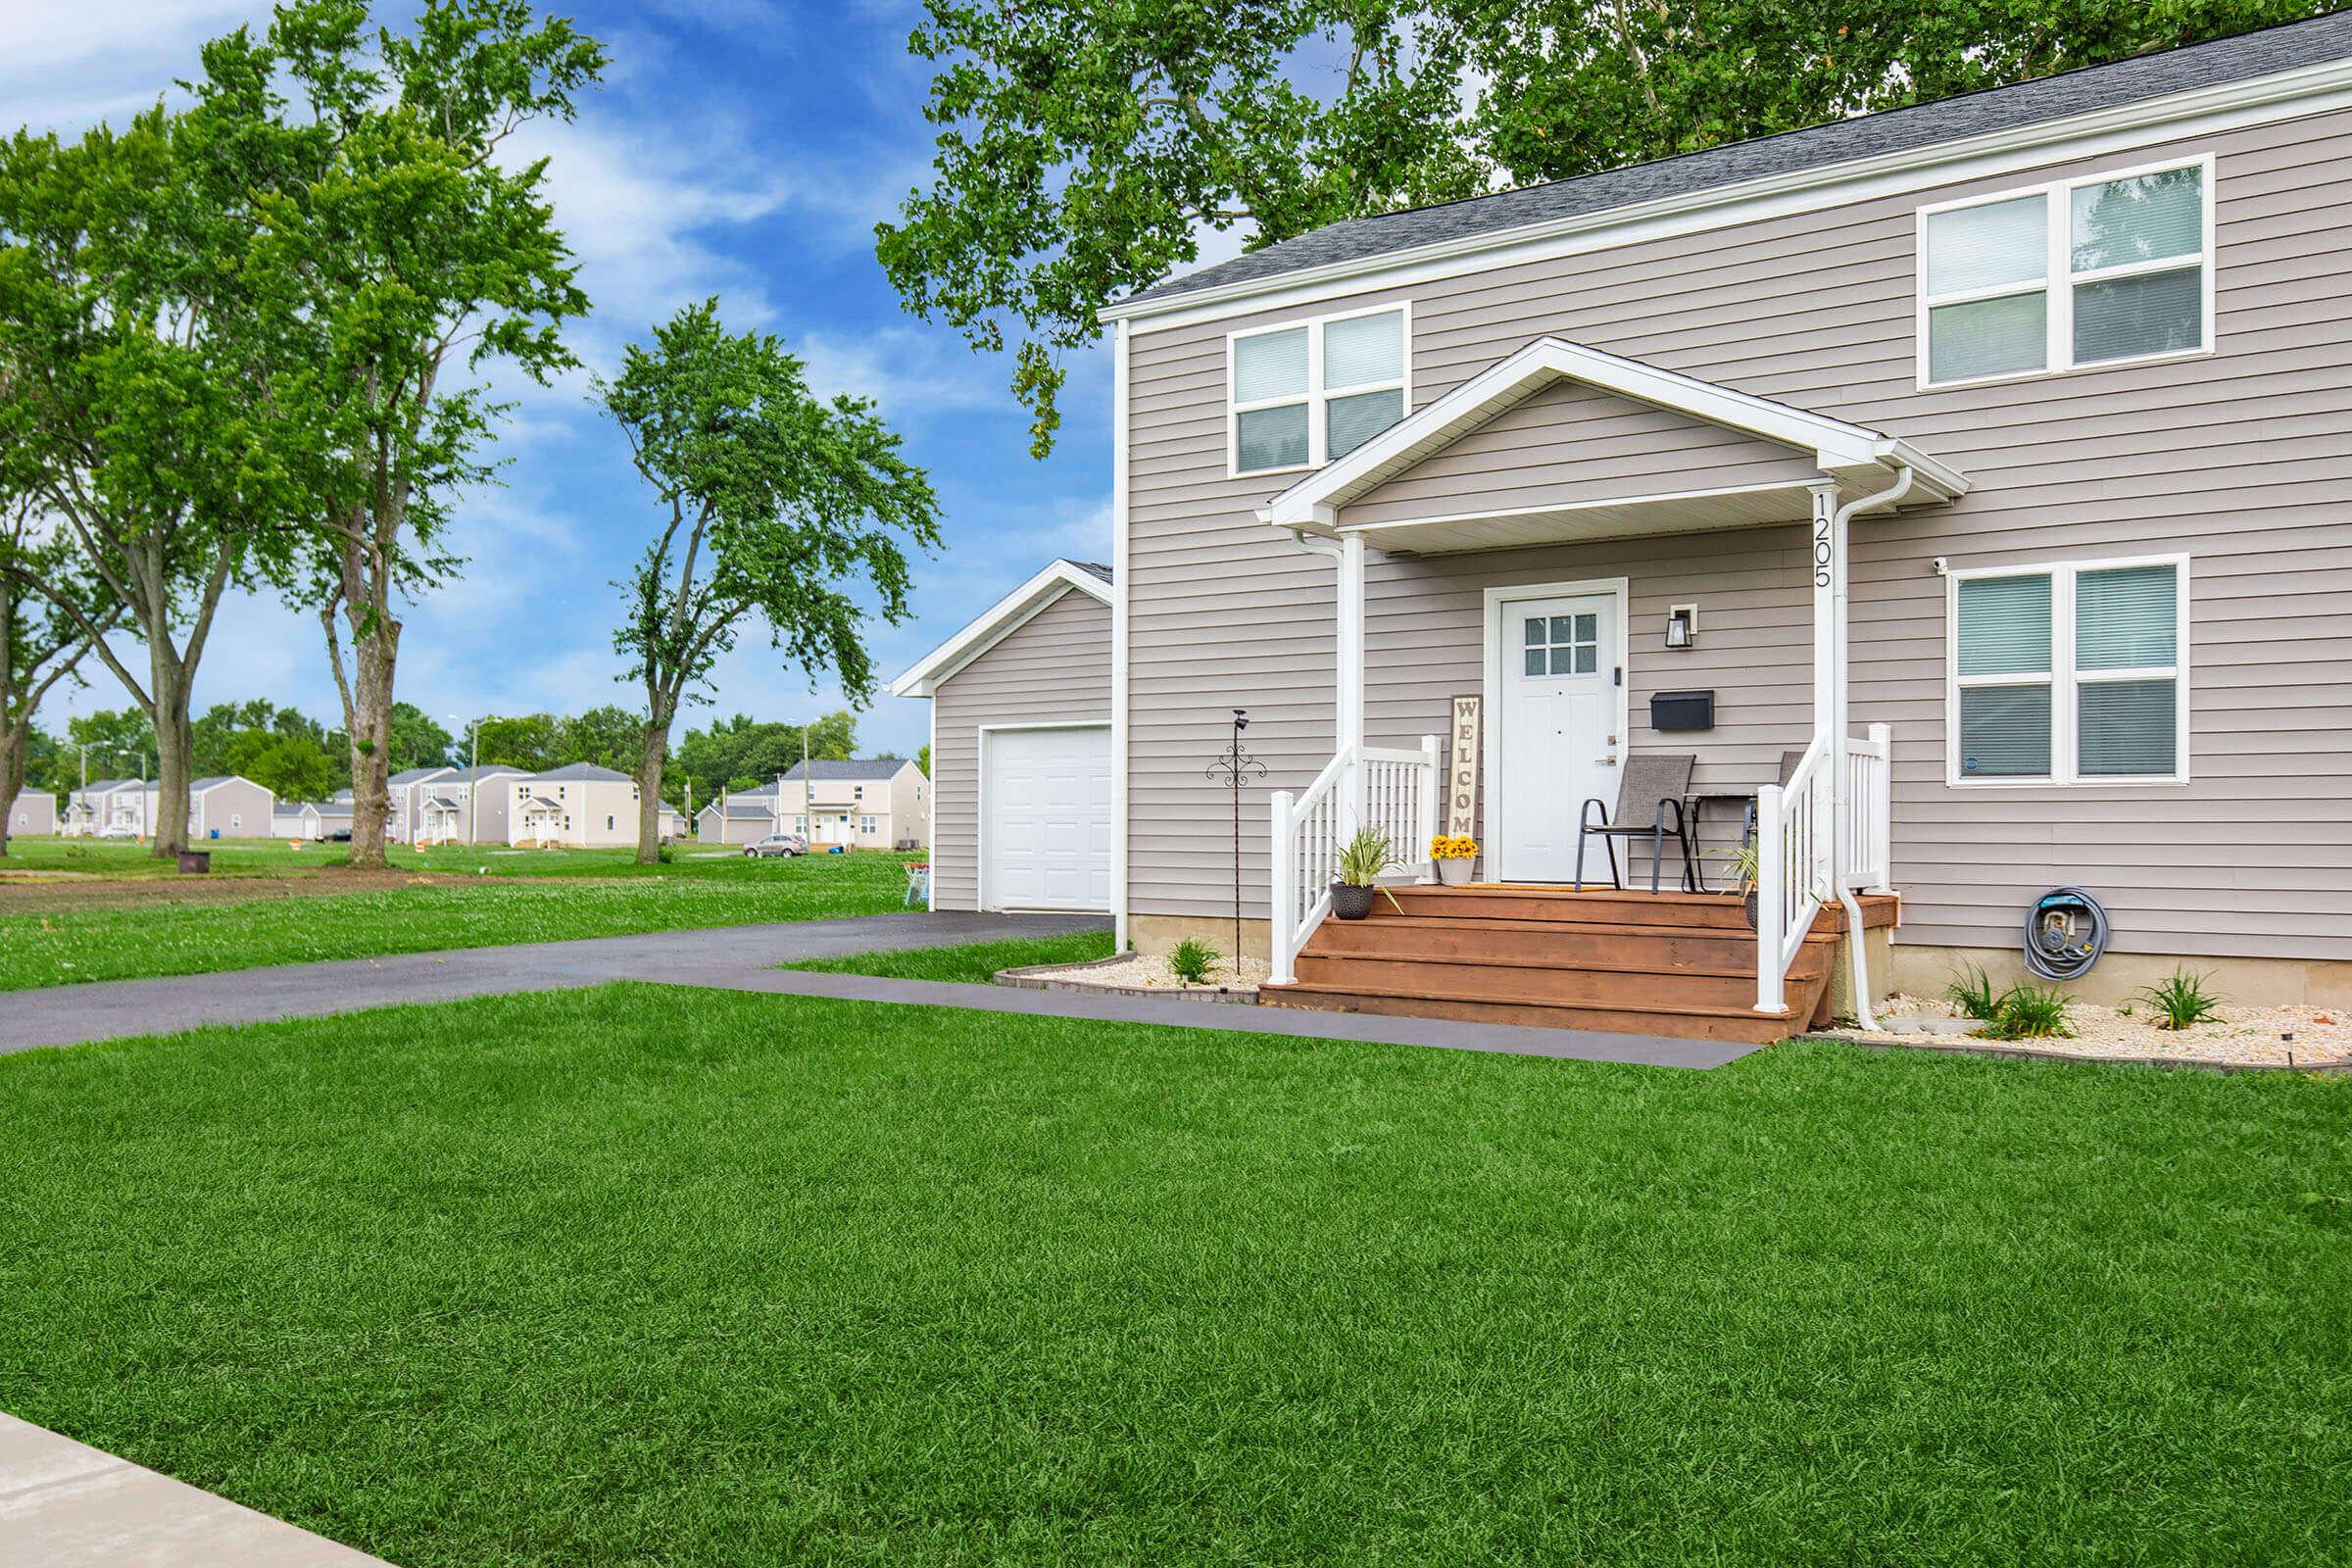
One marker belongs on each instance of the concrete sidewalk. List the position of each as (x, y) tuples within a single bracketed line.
[(65, 1505), (113, 1009)]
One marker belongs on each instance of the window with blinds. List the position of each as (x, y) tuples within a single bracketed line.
[(2063, 276), (1305, 395), (2069, 674)]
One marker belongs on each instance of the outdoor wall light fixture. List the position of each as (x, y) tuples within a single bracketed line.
[(1682, 626)]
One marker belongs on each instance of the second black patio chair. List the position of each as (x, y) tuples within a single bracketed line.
[(1650, 805)]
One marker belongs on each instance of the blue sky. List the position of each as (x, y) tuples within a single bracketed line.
[(741, 148)]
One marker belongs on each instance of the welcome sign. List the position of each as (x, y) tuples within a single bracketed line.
[(1461, 774)]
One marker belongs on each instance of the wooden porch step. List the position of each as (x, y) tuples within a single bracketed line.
[(1615, 1017), (1539, 902), (1579, 984), (1586, 943)]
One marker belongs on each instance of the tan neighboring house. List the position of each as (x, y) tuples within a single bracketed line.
[(466, 805), (1021, 748), (406, 791), (32, 812), (222, 807), (579, 807), (862, 802), (741, 817), (111, 807), (297, 819), (1993, 457)]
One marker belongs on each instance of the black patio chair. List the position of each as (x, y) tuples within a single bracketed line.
[(1789, 762), (1650, 805)]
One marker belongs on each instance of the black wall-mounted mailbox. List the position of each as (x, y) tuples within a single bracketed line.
[(1671, 710)]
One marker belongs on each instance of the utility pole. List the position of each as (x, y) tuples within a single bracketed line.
[(808, 807)]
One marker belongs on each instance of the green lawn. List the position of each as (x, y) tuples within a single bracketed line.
[(61, 943), (272, 857), (649, 1275), (976, 962)]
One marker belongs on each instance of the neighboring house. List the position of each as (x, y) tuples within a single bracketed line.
[(1021, 748), (579, 807), (466, 804), (334, 815), (34, 812), (863, 803), (671, 822), (110, 805), (746, 815), (1994, 453), (222, 807), (296, 819), (404, 819)]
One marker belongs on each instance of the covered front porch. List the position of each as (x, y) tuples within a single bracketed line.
[(1628, 482)]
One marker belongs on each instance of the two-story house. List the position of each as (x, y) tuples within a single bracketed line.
[(1965, 490), (864, 803)]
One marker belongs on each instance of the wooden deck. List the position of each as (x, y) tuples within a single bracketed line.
[(1679, 964)]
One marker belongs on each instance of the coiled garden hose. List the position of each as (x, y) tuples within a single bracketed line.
[(2066, 931)]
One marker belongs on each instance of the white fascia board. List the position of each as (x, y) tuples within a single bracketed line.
[(2198, 112), (1837, 446), (1000, 621)]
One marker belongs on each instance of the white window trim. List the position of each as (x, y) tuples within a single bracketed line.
[(2059, 279), (2063, 679), (1317, 399)]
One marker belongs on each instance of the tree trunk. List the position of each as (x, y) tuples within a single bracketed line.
[(16, 754), (169, 682), (651, 762), (368, 719)]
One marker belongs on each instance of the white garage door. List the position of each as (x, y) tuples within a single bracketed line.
[(1045, 807)]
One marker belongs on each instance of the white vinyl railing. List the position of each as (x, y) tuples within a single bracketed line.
[(1795, 823), (1389, 790)]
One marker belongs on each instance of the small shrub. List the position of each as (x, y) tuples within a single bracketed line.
[(1971, 993), (2030, 1013), (1193, 962), (663, 854), (2181, 1001)]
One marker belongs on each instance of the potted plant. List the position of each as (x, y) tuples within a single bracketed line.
[(1454, 853), (1746, 862), (1362, 861)]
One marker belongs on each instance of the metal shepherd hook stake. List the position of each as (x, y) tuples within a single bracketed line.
[(1236, 766)]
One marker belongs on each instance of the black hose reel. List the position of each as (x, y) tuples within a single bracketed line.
[(2066, 932)]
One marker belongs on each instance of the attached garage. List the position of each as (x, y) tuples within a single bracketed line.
[(1045, 817), (1021, 749)]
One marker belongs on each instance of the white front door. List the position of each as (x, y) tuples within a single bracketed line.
[(1558, 743), (1045, 818)]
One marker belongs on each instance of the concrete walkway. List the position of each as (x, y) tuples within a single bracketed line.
[(65, 1505), (113, 1009)]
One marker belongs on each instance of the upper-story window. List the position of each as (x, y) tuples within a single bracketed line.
[(1306, 394), (2081, 273)]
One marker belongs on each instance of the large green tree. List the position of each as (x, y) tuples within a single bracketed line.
[(771, 506), (743, 753), (1085, 148), (135, 353), (412, 260)]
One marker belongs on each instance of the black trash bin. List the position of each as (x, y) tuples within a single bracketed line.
[(195, 863)]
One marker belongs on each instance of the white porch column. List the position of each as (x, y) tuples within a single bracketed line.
[(1828, 676), (1351, 674)]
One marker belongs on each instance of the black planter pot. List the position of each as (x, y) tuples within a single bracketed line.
[(1350, 902), (1747, 905)]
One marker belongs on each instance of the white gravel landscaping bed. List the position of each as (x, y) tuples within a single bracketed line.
[(1132, 973), (2243, 1036)]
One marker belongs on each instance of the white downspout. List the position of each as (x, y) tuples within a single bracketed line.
[(1839, 676)]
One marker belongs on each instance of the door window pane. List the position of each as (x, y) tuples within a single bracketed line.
[(2005, 732), (1535, 625), (2125, 618), (2004, 625), (1988, 338), (1984, 247), (2143, 218), (1270, 438), (1271, 365), (2152, 313), (1535, 662), (1356, 420), (1363, 348)]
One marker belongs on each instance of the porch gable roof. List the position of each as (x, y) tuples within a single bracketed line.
[(1849, 454)]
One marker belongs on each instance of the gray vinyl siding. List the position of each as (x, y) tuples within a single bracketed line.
[(1055, 668), (2242, 458), (1569, 444), (237, 810)]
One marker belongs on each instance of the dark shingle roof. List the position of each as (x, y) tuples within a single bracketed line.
[(859, 768), (1093, 569), (1894, 130), (581, 770)]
